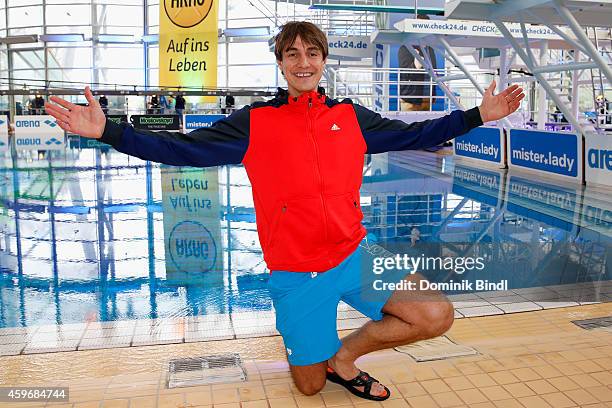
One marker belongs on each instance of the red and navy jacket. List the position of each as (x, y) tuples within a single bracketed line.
[(304, 157)]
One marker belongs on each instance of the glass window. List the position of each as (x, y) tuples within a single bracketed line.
[(69, 2), (29, 77), (221, 60), (249, 77), (76, 29), (22, 31), (71, 57), (154, 16), (78, 14), (28, 59), (26, 16), (12, 3), (153, 57), (122, 2), (121, 76), (70, 77), (221, 77), (116, 15), (154, 77), (250, 53), (2, 18), (249, 22), (222, 16), (119, 56), (3, 60), (243, 8)]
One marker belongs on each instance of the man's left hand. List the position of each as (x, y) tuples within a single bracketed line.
[(494, 107)]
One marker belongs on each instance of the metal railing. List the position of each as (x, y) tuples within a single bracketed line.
[(400, 84)]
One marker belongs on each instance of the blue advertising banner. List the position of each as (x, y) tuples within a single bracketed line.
[(552, 153), (193, 122), (482, 143)]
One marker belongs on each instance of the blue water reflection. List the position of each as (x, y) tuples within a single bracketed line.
[(92, 234)]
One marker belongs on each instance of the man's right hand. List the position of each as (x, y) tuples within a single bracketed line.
[(88, 121)]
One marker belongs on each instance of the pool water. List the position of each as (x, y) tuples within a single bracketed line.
[(92, 234)]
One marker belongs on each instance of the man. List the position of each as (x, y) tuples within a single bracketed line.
[(103, 101), (415, 88), (229, 104), (154, 108), (179, 105), (304, 156), (39, 105)]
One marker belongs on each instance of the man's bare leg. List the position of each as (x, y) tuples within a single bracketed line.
[(309, 379), (408, 317)]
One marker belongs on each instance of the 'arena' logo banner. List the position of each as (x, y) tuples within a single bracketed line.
[(38, 132)]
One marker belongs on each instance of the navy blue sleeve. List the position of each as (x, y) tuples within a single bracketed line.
[(384, 135), (225, 142)]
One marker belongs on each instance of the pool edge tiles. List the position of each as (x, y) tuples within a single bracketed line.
[(242, 325)]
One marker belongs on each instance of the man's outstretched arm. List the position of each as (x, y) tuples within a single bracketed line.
[(383, 135), (223, 143)]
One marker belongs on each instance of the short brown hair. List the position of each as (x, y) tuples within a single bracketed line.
[(308, 32)]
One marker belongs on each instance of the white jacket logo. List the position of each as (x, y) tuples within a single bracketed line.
[(335, 127)]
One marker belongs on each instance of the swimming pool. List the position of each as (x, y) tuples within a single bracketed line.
[(95, 235)]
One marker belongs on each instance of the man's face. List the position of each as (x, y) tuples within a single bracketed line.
[(303, 66)]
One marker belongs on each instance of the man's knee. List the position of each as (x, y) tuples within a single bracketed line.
[(438, 317), (310, 386), (309, 379), (429, 319)]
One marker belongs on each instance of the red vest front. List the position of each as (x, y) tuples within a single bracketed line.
[(305, 163)]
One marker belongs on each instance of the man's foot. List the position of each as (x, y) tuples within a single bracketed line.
[(348, 372)]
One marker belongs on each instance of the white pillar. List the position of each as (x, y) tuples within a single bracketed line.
[(503, 69), (503, 75), (542, 103), (576, 74)]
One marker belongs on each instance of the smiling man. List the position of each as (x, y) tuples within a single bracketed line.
[(304, 156)]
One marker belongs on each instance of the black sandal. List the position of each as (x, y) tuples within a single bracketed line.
[(363, 379)]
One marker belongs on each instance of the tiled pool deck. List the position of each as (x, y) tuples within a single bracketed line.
[(135, 333), (531, 359)]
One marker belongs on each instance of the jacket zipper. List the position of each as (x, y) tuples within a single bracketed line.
[(318, 167)]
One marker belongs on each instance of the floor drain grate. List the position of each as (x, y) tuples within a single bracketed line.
[(439, 348), (188, 372), (604, 323)]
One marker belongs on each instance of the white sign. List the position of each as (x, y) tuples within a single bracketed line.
[(38, 132), (598, 159), (4, 141), (473, 28), (349, 47)]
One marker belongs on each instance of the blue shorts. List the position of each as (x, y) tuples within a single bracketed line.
[(307, 303)]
